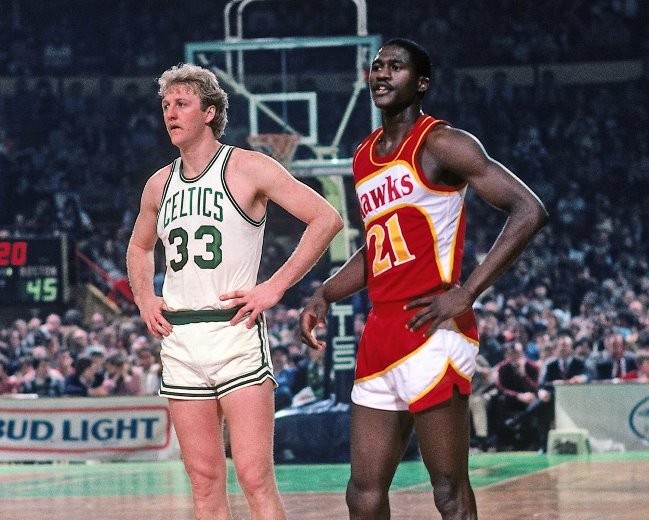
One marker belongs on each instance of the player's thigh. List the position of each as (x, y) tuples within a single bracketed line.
[(250, 415), (443, 435), (198, 426), (378, 440)]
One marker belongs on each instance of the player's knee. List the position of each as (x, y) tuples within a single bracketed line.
[(254, 480), (365, 502), (452, 495), (205, 480)]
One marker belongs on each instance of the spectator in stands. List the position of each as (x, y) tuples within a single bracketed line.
[(120, 378), (641, 373), (566, 368), (78, 342), (539, 300), (298, 360), (97, 321), (284, 375), (584, 320), (149, 368), (71, 321), (617, 359), (64, 363), (9, 384), (14, 349), (21, 326), (24, 370), (489, 332), (315, 369), (45, 381), (639, 311), (482, 390), (107, 338), (97, 354), (584, 351), (521, 401), (83, 382), (49, 334)]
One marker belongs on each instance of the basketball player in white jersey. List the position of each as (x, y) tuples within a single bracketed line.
[(208, 208)]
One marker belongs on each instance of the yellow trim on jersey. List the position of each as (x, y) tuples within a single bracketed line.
[(449, 361), (393, 365), (396, 153)]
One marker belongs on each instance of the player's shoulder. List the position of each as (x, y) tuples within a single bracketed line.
[(243, 158), (253, 165), (443, 136), (444, 130)]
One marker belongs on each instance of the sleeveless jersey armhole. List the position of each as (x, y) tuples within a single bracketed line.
[(433, 123), (174, 166), (243, 214)]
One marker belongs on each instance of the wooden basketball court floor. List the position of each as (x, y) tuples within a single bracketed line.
[(509, 486)]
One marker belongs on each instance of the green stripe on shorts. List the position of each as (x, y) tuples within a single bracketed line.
[(202, 316)]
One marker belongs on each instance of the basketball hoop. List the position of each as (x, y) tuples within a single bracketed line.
[(280, 147)]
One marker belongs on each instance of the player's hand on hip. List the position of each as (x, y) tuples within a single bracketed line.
[(151, 313), (438, 308), (252, 302)]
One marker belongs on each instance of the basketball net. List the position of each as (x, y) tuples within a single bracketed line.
[(280, 147)]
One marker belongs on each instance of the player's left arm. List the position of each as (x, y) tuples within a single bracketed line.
[(460, 155), (274, 182)]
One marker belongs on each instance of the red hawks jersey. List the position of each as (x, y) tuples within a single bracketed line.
[(414, 229)]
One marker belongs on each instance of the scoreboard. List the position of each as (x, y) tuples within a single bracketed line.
[(34, 271)]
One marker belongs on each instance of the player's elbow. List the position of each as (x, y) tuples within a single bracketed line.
[(338, 222), (334, 222), (542, 217), (533, 216)]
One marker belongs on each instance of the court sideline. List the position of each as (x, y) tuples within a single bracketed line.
[(511, 486)]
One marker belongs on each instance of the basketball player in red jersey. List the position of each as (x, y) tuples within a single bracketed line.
[(417, 353)]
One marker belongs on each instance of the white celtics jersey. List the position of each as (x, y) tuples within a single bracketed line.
[(211, 245)]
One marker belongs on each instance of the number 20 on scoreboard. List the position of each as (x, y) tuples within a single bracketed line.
[(13, 253)]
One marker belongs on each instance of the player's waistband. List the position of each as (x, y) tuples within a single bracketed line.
[(200, 316), (387, 308)]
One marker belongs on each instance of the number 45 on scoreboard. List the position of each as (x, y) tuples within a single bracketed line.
[(34, 270)]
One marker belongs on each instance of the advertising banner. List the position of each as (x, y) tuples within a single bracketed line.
[(86, 428), (616, 415)]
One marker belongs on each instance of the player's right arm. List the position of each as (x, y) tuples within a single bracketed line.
[(140, 259), (348, 280)]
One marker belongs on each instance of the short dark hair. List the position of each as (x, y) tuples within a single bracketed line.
[(117, 359), (279, 348), (38, 360), (643, 338), (82, 364), (419, 55), (565, 333)]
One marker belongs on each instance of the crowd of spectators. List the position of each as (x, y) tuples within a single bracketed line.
[(129, 38), (62, 356), (76, 158)]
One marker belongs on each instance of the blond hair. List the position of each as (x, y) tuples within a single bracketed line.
[(206, 86)]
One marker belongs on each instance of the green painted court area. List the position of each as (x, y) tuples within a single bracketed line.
[(169, 479)]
